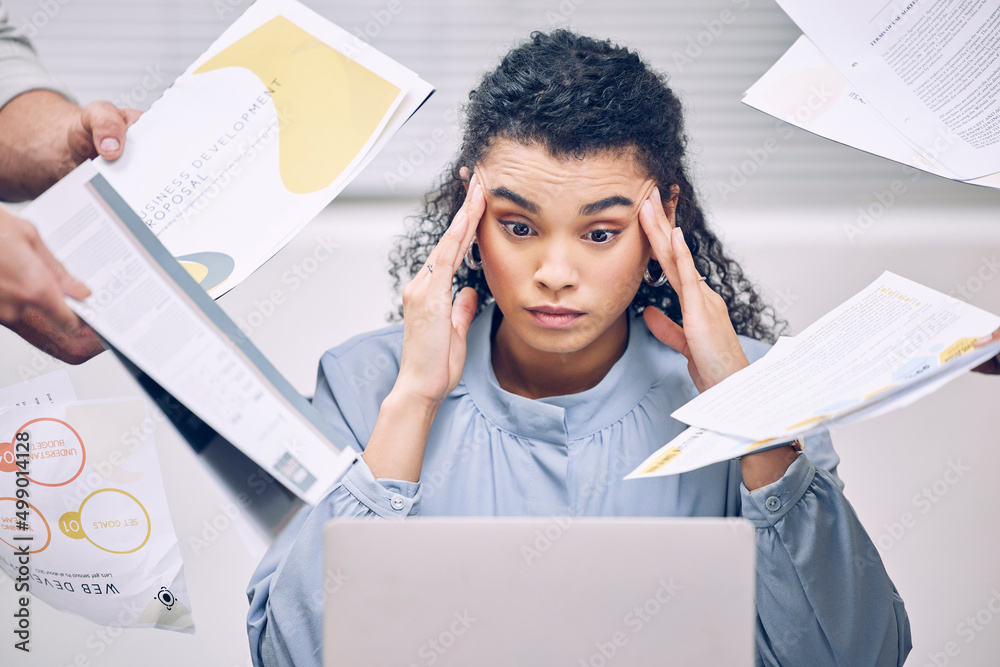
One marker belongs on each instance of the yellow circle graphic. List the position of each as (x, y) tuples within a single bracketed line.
[(69, 524), (113, 524)]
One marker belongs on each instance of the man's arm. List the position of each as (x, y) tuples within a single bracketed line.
[(43, 136)]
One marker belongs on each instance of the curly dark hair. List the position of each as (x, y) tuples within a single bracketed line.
[(577, 96)]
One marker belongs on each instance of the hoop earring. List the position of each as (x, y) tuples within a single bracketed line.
[(648, 278), (470, 258)]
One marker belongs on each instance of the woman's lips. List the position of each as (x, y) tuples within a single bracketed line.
[(554, 318)]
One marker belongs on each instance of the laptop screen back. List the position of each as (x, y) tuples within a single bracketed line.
[(581, 592)]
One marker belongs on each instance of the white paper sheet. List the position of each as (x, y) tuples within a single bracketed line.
[(838, 111), (930, 68), (805, 89), (45, 389), (891, 344), (694, 448), (257, 136), (84, 520), (877, 346)]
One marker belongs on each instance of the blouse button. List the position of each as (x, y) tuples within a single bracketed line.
[(773, 503), (397, 502)]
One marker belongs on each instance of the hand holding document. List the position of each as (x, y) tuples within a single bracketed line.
[(237, 156), (884, 348), (929, 71), (151, 311)]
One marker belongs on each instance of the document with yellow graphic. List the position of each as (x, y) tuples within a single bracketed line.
[(892, 343), (257, 136)]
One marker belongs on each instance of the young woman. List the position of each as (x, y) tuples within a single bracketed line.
[(524, 381)]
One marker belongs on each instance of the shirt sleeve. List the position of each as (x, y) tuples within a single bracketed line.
[(289, 588), (20, 69), (822, 590)]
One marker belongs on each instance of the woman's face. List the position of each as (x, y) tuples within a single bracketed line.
[(561, 245)]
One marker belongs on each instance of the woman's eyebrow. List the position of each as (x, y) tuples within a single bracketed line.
[(586, 209), (604, 204), (511, 196)]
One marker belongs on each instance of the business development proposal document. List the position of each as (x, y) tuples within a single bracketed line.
[(930, 68), (257, 136), (884, 348), (146, 306)]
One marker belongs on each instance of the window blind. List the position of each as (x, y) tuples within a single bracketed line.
[(129, 51)]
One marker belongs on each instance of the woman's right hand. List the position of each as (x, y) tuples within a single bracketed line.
[(434, 326), (434, 331)]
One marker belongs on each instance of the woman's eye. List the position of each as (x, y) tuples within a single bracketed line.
[(601, 235), (517, 228)]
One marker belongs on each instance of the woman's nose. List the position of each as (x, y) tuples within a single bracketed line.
[(556, 267)]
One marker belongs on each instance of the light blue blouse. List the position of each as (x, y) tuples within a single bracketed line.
[(823, 596)]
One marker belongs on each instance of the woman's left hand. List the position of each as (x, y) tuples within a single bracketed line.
[(707, 338), (991, 366)]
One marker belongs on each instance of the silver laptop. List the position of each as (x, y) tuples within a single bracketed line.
[(519, 592)]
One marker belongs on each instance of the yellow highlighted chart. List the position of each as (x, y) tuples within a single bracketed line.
[(958, 348), (328, 105), (662, 460)]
